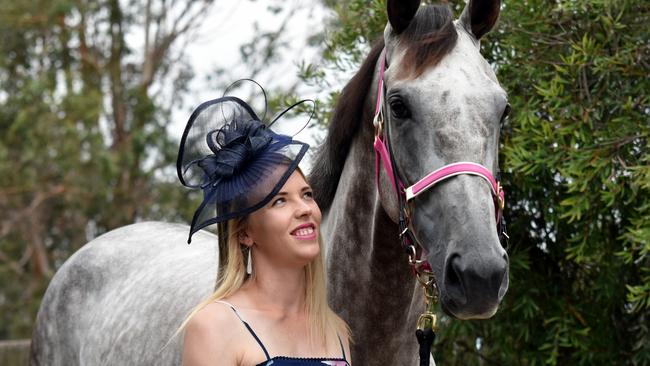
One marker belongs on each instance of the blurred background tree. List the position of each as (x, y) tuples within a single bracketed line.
[(83, 139)]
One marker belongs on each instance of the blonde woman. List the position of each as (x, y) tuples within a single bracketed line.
[(270, 303)]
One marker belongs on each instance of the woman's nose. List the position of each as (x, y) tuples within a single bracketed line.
[(303, 209)]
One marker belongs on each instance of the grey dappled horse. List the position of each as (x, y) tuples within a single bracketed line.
[(450, 112), (119, 299)]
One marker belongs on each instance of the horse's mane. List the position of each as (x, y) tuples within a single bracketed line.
[(430, 36), (344, 124)]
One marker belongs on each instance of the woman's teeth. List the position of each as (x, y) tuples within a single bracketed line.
[(304, 232)]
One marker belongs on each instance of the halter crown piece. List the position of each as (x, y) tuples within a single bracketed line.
[(426, 325), (239, 161)]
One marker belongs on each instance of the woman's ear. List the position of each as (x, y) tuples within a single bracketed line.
[(244, 238)]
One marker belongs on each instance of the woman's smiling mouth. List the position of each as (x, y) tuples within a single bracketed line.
[(305, 231)]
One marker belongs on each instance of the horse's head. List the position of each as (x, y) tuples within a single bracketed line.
[(445, 105)]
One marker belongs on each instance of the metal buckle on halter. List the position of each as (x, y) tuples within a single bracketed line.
[(378, 122), (413, 258), (501, 201)]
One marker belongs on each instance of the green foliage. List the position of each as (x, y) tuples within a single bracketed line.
[(577, 176), (576, 150), (83, 140)]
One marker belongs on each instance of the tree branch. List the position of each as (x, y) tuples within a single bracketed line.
[(474, 351)]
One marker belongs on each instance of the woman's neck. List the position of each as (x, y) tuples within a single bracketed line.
[(279, 290)]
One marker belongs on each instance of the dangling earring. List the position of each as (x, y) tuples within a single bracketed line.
[(249, 264)]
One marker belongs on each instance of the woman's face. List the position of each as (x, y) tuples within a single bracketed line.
[(285, 231)]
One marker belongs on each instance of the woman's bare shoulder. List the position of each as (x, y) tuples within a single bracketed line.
[(211, 335), (215, 313)]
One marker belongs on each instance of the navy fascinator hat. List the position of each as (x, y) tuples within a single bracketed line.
[(238, 160)]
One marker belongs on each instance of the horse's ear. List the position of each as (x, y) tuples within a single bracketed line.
[(479, 16), (401, 12)]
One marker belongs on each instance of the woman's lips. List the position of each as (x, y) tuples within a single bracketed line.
[(305, 232)]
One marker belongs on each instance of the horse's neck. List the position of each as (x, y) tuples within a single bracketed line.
[(370, 284)]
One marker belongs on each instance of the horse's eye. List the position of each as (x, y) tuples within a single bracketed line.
[(398, 109)]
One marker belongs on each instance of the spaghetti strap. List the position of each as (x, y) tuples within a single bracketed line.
[(342, 348), (266, 353)]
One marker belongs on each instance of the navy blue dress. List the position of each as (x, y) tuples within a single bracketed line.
[(291, 361)]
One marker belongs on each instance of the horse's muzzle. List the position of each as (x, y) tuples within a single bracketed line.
[(473, 285)]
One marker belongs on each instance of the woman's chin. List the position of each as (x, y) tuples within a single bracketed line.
[(307, 252)]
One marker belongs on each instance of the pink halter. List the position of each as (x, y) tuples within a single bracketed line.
[(448, 171)]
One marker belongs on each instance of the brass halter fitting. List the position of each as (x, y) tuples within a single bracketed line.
[(428, 319), (501, 201), (378, 122), (413, 258)]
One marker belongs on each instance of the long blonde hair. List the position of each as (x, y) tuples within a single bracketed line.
[(322, 320)]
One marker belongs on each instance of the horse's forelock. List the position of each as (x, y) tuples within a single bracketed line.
[(430, 36), (345, 122)]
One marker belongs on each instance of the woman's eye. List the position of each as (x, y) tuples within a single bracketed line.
[(278, 201), (309, 194), (398, 109)]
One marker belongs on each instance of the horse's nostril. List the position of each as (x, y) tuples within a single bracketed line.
[(453, 280)]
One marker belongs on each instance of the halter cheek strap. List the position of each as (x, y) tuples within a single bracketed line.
[(382, 154), (381, 149)]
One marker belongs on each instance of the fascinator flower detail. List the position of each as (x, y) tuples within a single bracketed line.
[(240, 146)]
